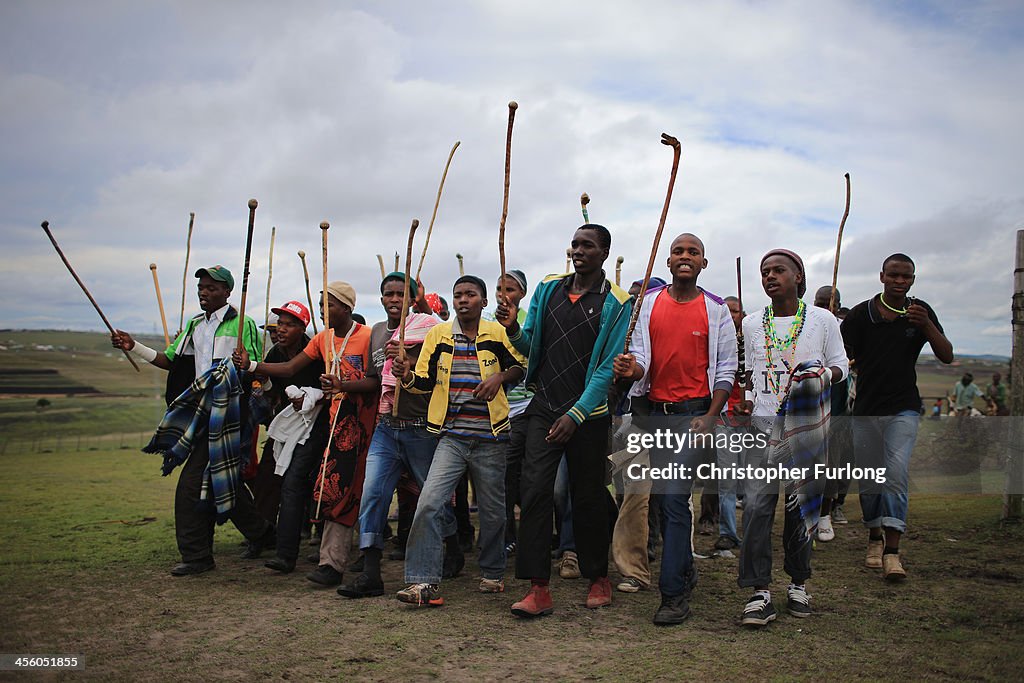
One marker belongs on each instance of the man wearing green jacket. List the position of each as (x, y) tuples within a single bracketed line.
[(575, 327)]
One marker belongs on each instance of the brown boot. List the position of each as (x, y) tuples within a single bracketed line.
[(874, 558), (892, 568)]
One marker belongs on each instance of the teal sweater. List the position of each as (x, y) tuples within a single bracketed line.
[(611, 337)]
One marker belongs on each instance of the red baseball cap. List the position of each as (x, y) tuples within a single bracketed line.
[(296, 309)]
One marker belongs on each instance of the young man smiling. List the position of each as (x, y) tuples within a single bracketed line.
[(792, 350), (463, 366), (683, 360), (576, 325), (884, 336)]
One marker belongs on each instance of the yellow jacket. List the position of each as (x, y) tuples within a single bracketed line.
[(433, 370)]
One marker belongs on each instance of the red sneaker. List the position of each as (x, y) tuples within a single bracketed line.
[(600, 593), (537, 603)]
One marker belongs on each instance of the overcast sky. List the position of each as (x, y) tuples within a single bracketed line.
[(119, 118)]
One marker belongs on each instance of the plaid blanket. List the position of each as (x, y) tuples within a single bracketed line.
[(799, 438), (210, 408)]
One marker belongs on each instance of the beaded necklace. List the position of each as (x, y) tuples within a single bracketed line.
[(897, 311), (787, 343)]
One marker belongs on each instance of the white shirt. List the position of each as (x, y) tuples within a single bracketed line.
[(202, 338), (819, 340)]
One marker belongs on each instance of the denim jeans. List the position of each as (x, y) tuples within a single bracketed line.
[(485, 460), (676, 513), (391, 450), (728, 487), (563, 508), (886, 442)]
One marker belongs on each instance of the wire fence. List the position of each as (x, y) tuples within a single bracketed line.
[(64, 443)]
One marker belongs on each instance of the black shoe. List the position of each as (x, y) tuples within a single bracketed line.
[(356, 567), (313, 557), (189, 568), (758, 611), (397, 554), (325, 575), (726, 543), (255, 548), (674, 610), (280, 564), (364, 586), (453, 564)]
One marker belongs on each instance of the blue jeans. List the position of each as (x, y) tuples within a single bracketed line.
[(886, 442), (728, 487), (485, 460), (563, 508), (391, 450), (676, 515)]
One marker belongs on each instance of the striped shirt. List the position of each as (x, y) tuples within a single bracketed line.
[(468, 416)]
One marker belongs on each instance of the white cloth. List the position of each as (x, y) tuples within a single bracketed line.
[(820, 340), (202, 338), (292, 427)]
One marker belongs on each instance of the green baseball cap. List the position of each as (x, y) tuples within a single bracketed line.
[(218, 273)]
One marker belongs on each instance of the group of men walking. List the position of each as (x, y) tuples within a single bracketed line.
[(505, 398)]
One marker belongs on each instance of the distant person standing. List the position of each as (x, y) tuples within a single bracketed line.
[(995, 394), (884, 337), (964, 393)]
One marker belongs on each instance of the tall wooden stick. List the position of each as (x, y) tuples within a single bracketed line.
[(309, 296), (270, 274), (742, 353), (839, 244), (405, 311), (666, 139), (46, 229), (568, 259), (330, 364), (383, 273), (512, 106), (160, 302), (396, 261), (437, 202), (1013, 500), (245, 271), (584, 200), (184, 277), (618, 270), (462, 268)]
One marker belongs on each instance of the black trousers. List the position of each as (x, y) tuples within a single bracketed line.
[(194, 519), (586, 453), (297, 487), (513, 470)]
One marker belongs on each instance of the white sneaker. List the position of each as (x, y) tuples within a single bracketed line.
[(825, 531)]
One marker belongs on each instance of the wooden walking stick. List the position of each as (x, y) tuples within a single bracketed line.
[(568, 259), (462, 269), (160, 301), (666, 139), (405, 311), (618, 270), (383, 273), (184, 277), (512, 106), (742, 370), (245, 272), (839, 244), (437, 201), (309, 297), (270, 274), (396, 261), (330, 364), (584, 200), (46, 229)]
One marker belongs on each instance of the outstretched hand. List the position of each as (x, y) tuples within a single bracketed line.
[(121, 340)]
